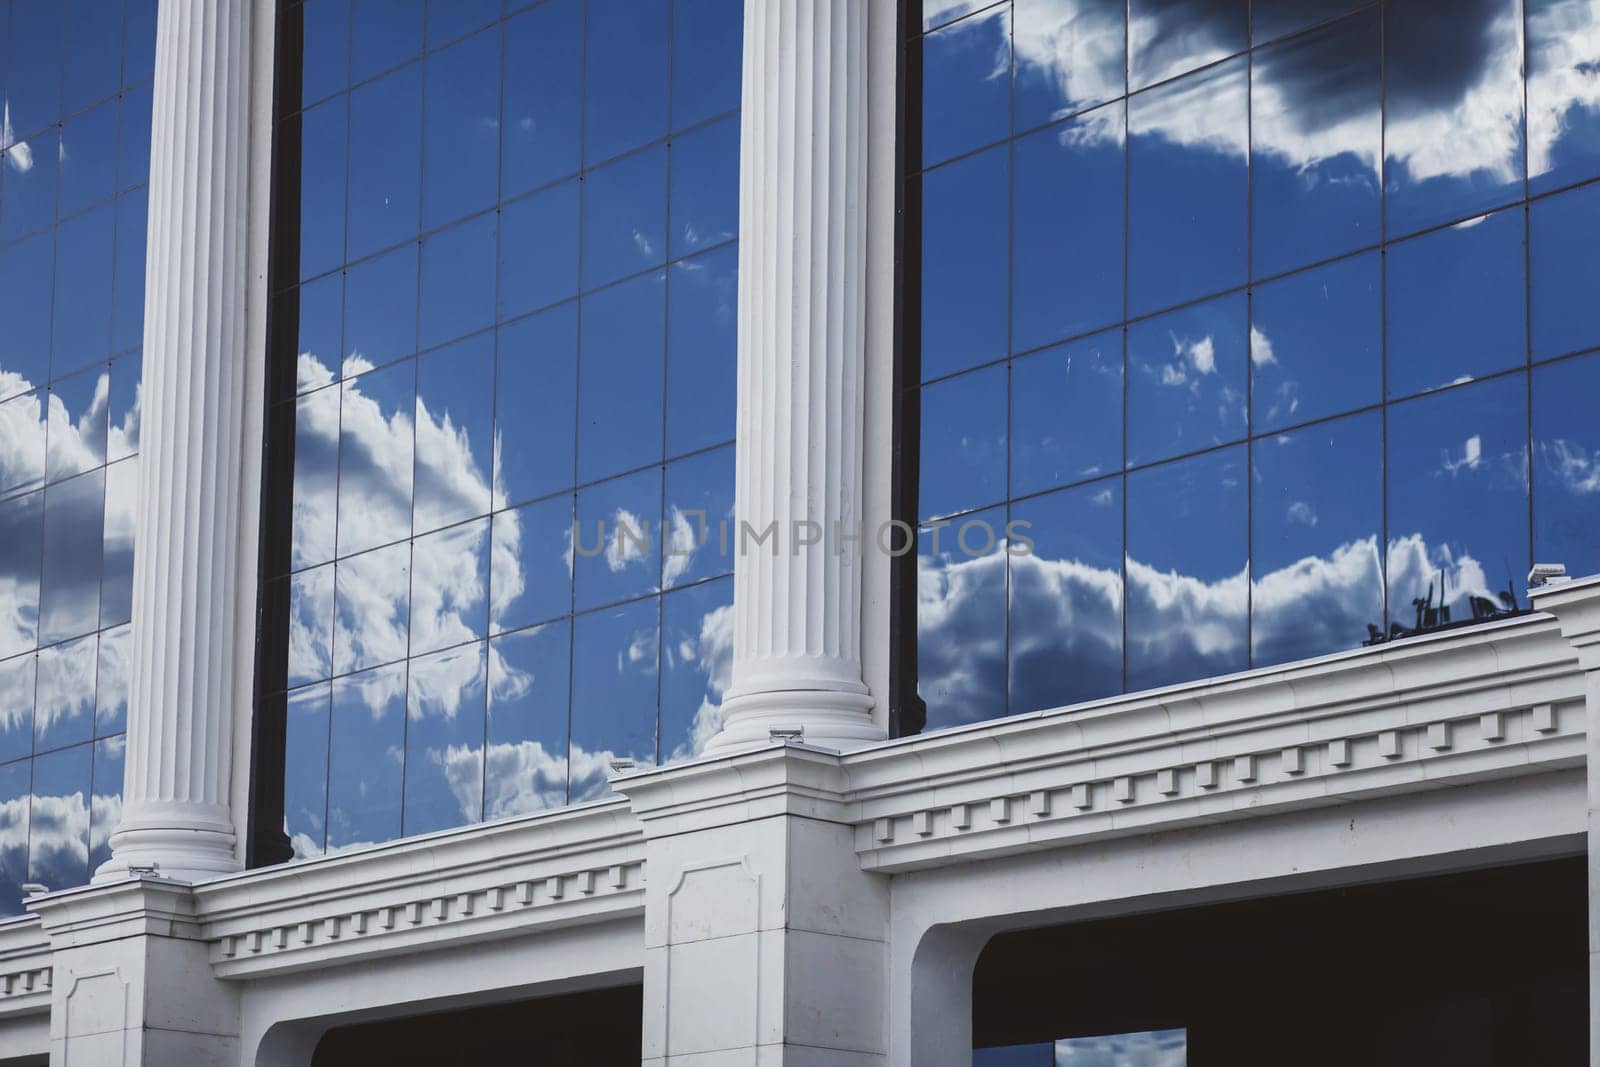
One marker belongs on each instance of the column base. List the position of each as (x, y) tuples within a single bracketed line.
[(175, 842), (829, 718)]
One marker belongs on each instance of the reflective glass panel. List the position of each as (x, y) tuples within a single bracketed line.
[(316, 474), (1274, 18), (1565, 261), (305, 786), (707, 42), (111, 681), (380, 321), (375, 456), (69, 586), (84, 270), (455, 396), (1458, 504), (525, 765), (698, 528), (1457, 302), (311, 625), (460, 128), (1065, 642), (966, 84), (22, 523), (696, 657), (105, 799), (458, 278), (531, 561), (1066, 414), (1317, 525), (322, 185), (702, 302), (384, 33), (536, 392), (539, 250), (58, 825), (515, 303), (366, 757), (1566, 464), (14, 796), (625, 75), (385, 138), (1188, 187), (614, 693), (450, 587), (63, 710), (18, 677), (1169, 37), (1186, 380), (617, 538), (1070, 56), (620, 376), (325, 55), (372, 603), (961, 619), (963, 464), (541, 120), (1188, 570), (964, 254), (1316, 132), (705, 187), (1316, 344), (445, 710), (1067, 230), (1563, 94), (624, 217), (1452, 111)]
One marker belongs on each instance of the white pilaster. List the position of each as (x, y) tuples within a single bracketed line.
[(765, 941), (132, 986), (1576, 606), (802, 333), (193, 473)]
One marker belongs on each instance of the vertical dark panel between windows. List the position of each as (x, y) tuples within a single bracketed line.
[(267, 843), (907, 712)]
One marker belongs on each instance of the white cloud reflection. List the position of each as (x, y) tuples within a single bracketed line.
[(434, 592)]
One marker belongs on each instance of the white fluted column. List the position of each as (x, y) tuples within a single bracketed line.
[(175, 811), (802, 329)]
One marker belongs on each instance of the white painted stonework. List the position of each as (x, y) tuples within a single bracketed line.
[(789, 904), (814, 897)]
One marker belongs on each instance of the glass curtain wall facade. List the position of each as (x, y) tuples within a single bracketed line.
[(503, 360), (1264, 326), (74, 159)]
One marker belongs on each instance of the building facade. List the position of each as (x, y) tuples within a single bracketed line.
[(917, 532)]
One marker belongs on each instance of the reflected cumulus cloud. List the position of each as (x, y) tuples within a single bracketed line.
[(448, 589)]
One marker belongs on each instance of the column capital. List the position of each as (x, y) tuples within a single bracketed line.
[(1576, 605)]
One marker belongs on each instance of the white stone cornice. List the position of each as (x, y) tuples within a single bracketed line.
[(114, 911), (26, 973), (557, 869), (801, 378), (1501, 700), (1576, 606), (726, 790), (190, 517)]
